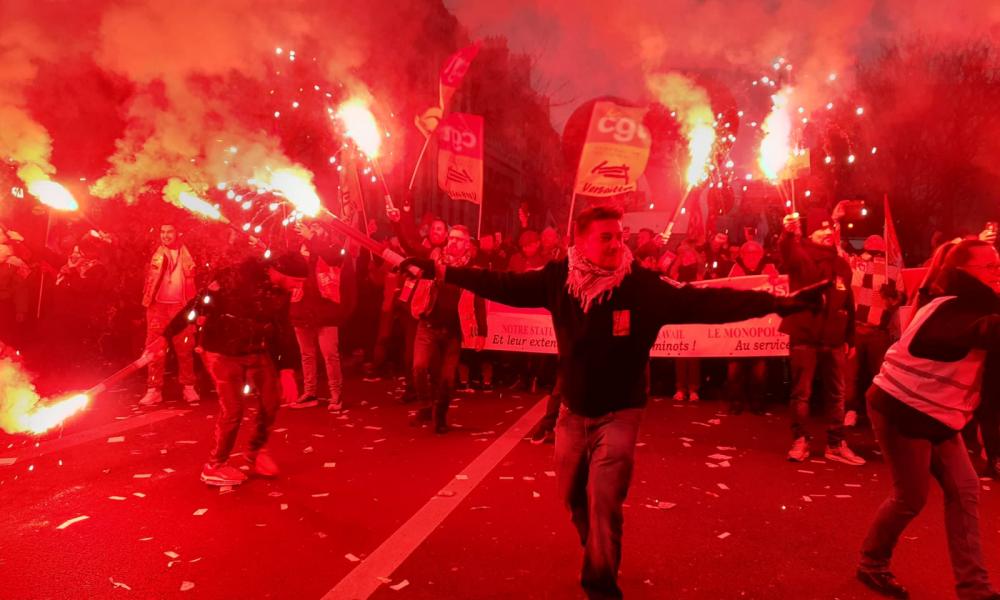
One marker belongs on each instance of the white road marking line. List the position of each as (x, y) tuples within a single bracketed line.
[(364, 580)]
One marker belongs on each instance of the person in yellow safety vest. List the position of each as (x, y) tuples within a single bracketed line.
[(925, 393)]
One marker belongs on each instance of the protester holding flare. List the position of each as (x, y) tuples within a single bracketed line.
[(926, 392), (607, 313), (245, 338)]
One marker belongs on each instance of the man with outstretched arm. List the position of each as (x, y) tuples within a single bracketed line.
[(607, 313)]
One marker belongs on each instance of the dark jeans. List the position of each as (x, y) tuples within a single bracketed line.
[(870, 346), (594, 458), (552, 403), (911, 462), (745, 381), (231, 373), (829, 364), (435, 361)]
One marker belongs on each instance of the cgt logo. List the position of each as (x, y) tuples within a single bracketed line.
[(460, 140), (622, 128)]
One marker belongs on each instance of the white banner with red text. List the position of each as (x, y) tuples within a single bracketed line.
[(530, 330)]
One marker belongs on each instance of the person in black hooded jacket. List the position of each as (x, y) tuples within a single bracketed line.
[(245, 338), (819, 342)]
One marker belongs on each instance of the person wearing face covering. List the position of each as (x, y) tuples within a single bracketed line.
[(606, 312)]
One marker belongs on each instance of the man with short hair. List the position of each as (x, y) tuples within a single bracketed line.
[(606, 312), (438, 344), (170, 284)]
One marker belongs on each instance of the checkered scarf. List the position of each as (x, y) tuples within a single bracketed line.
[(591, 284)]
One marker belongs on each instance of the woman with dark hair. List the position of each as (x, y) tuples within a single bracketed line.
[(925, 393)]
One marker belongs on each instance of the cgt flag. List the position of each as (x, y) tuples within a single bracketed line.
[(460, 157), (616, 151), (454, 71)]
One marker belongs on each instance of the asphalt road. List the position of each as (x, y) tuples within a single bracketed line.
[(758, 528)]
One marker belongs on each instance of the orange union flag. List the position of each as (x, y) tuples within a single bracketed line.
[(460, 157), (616, 150)]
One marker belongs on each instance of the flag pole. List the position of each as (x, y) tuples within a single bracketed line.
[(569, 221), (420, 159)]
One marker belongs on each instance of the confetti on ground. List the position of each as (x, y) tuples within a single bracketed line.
[(66, 524), (686, 439), (321, 495), (722, 486), (640, 444), (281, 430), (528, 478), (725, 448), (384, 579), (446, 493), (807, 499), (461, 477), (685, 444), (329, 465), (723, 535), (194, 560), (506, 478), (200, 512), (275, 494), (6, 462), (119, 584), (171, 554), (187, 442), (724, 463), (373, 428), (807, 472), (535, 495), (715, 421), (661, 505), (700, 423), (119, 498), (402, 584), (116, 439), (138, 494), (855, 485), (842, 496), (168, 470), (145, 539), (720, 457), (351, 557), (284, 507), (186, 585), (550, 473), (378, 441), (711, 465), (142, 476), (318, 435), (307, 450)]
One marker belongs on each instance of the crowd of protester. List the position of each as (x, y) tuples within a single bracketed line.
[(352, 312)]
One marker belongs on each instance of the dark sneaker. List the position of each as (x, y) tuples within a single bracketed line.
[(422, 416), (543, 436), (222, 475), (883, 582), (305, 401)]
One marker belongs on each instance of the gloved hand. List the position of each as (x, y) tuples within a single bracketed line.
[(807, 298), (419, 267)]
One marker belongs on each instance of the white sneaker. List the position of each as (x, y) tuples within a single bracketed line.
[(153, 397), (800, 450), (680, 397), (190, 395), (842, 454), (850, 418), (335, 405), (693, 397)]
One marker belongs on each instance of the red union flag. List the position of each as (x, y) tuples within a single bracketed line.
[(454, 70), (460, 157), (616, 150)]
